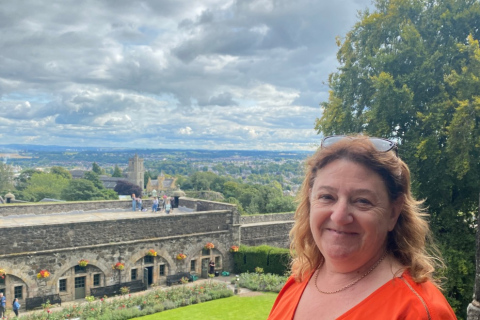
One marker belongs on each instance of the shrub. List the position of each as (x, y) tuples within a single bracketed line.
[(270, 259)]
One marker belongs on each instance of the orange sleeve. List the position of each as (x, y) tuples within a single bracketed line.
[(287, 300)]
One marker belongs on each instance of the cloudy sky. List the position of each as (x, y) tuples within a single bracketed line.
[(204, 74)]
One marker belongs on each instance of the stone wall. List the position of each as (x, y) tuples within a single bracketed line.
[(83, 234), (25, 250), (266, 218), (273, 234), (42, 208)]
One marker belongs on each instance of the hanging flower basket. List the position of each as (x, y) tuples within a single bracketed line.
[(181, 256), (152, 253), (43, 274), (209, 246), (234, 249), (83, 263), (119, 266), (3, 273)]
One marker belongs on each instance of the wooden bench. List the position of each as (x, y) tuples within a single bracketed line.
[(174, 278), (36, 302), (134, 286)]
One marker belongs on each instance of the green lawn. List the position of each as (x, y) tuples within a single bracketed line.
[(233, 308)]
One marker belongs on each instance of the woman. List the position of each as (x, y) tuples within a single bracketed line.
[(359, 239), (15, 306)]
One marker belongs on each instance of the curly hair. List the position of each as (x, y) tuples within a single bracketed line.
[(410, 242)]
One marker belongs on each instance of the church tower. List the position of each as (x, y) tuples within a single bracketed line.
[(136, 171)]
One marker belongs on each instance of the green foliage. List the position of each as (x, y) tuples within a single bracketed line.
[(46, 185), (96, 168), (410, 71), (129, 307), (270, 259), (117, 172), (93, 177), (61, 171), (259, 281), (22, 180), (6, 177)]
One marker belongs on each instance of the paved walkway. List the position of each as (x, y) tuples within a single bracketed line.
[(76, 216)]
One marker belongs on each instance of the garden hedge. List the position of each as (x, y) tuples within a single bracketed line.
[(271, 259)]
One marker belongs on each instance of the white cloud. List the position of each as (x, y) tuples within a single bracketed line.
[(209, 73)]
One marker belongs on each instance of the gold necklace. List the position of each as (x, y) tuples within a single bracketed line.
[(352, 283)]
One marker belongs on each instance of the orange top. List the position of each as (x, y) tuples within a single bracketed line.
[(400, 298)]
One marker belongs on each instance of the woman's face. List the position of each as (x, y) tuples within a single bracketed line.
[(350, 212)]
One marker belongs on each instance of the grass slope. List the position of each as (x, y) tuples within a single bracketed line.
[(233, 308)]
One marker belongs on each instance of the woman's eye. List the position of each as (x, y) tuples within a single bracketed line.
[(363, 201), (325, 197)]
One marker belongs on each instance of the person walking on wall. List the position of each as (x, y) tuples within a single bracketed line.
[(3, 304), (134, 202), (16, 306), (139, 203), (155, 204), (168, 206)]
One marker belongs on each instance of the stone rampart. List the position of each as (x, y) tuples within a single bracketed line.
[(43, 208), (82, 234), (266, 218)]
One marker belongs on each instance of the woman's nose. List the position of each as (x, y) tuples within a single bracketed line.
[(341, 213)]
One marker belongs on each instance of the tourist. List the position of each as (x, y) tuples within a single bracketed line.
[(211, 265), (15, 306), (3, 305), (359, 240), (155, 204), (134, 202), (164, 201), (168, 206), (139, 203)]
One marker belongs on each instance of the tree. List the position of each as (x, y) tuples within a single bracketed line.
[(409, 71), (93, 177), (124, 187), (117, 172), (22, 180), (96, 168), (46, 185), (84, 190), (6, 177), (61, 172), (80, 190)]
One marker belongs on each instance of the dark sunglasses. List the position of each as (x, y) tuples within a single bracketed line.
[(382, 145)]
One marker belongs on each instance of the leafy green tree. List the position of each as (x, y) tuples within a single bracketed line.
[(93, 177), (6, 177), (281, 204), (61, 171), (117, 172), (409, 71), (46, 185), (80, 190), (96, 168), (22, 180)]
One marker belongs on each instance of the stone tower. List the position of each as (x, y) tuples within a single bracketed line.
[(136, 171)]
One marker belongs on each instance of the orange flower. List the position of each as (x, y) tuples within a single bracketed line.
[(181, 256), (234, 249), (43, 274), (209, 246)]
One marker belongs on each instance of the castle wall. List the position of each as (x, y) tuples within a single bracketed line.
[(25, 250)]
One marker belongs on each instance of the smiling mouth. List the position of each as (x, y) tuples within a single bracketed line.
[(341, 232)]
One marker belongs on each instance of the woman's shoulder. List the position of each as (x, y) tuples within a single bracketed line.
[(427, 296)]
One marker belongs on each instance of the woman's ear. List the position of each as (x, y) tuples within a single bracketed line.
[(397, 207)]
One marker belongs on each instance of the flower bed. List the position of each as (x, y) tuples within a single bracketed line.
[(261, 281), (131, 307)]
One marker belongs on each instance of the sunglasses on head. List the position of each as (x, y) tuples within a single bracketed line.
[(382, 145)]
